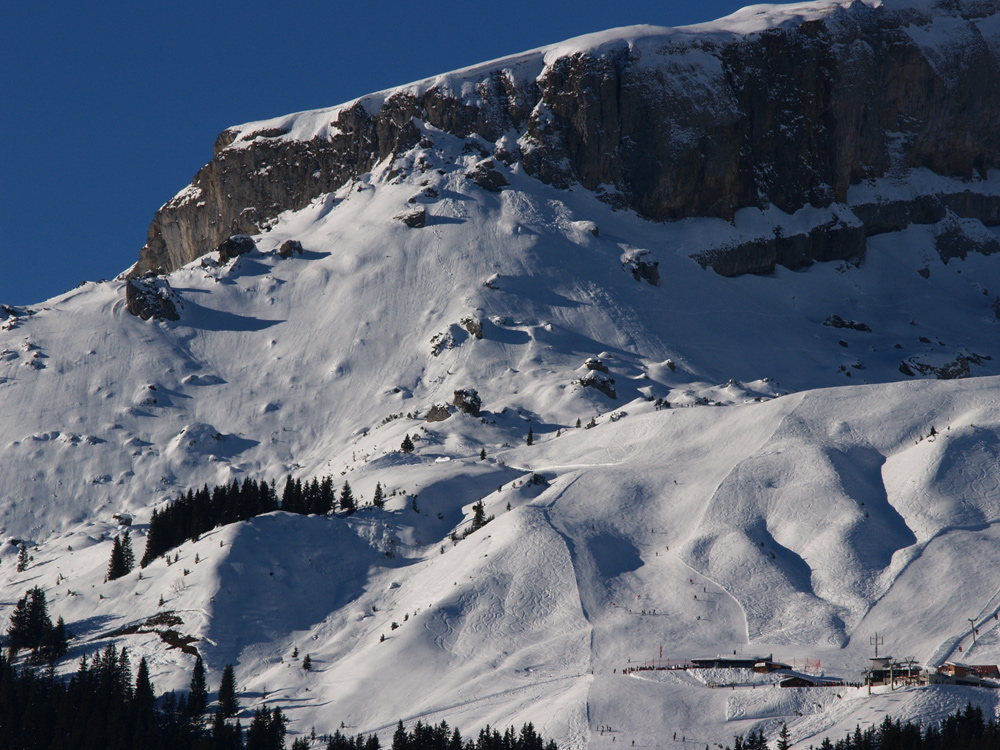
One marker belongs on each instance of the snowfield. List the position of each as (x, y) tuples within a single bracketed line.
[(763, 480)]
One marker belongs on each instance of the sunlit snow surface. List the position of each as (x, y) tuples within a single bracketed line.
[(793, 500)]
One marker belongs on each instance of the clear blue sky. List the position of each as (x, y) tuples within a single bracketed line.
[(108, 109)]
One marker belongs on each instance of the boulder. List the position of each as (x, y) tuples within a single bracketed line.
[(956, 238), (438, 413), (468, 401), (641, 265), (150, 297), (835, 321), (600, 381), (238, 244), (288, 247), (473, 325), (416, 219), (485, 175)]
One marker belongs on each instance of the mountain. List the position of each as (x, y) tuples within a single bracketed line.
[(805, 112), (752, 259)]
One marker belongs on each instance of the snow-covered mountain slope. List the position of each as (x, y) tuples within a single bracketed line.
[(107, 409), (764, 464)]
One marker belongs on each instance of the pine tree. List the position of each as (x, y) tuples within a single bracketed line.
[(347, 504), (228, 704), (783, 739), (22, 558), (578, 422), (482, 454), (400, 739), (198, 690), (29, 622), (478, 516), (54, 642), (267, 730), (407, 445), (327, 496), (288, 496), (127, 554), (379, 499), (144, 695), (307, 663), (116, 565), (531, 436)]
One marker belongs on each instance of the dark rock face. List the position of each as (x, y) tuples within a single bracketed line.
[(702, 126), (832, 241), (150, 298)]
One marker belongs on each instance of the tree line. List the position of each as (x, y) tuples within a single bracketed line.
[(967, 729), (441, 737), (197, 512), (101, 707)]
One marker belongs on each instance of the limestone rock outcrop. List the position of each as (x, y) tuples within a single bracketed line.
[(668, 123)]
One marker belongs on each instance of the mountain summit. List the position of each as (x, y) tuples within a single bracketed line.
[(786, 107)]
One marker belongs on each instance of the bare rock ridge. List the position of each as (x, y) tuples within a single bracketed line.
[(671, 124)]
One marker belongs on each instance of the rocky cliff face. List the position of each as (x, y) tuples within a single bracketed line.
[(668, 123)]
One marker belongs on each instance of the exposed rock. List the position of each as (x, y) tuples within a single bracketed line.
[(956, 368), (836, 240), (237, 245), (673, 128), (835, 321), (468, 401), (595, 363), (641, 265), (473, 325), (601, 381), (288, 247), (416, 218), (487, 177), (895, 215), (956, 238), (150, 297), (438, 413), (441, 341)]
